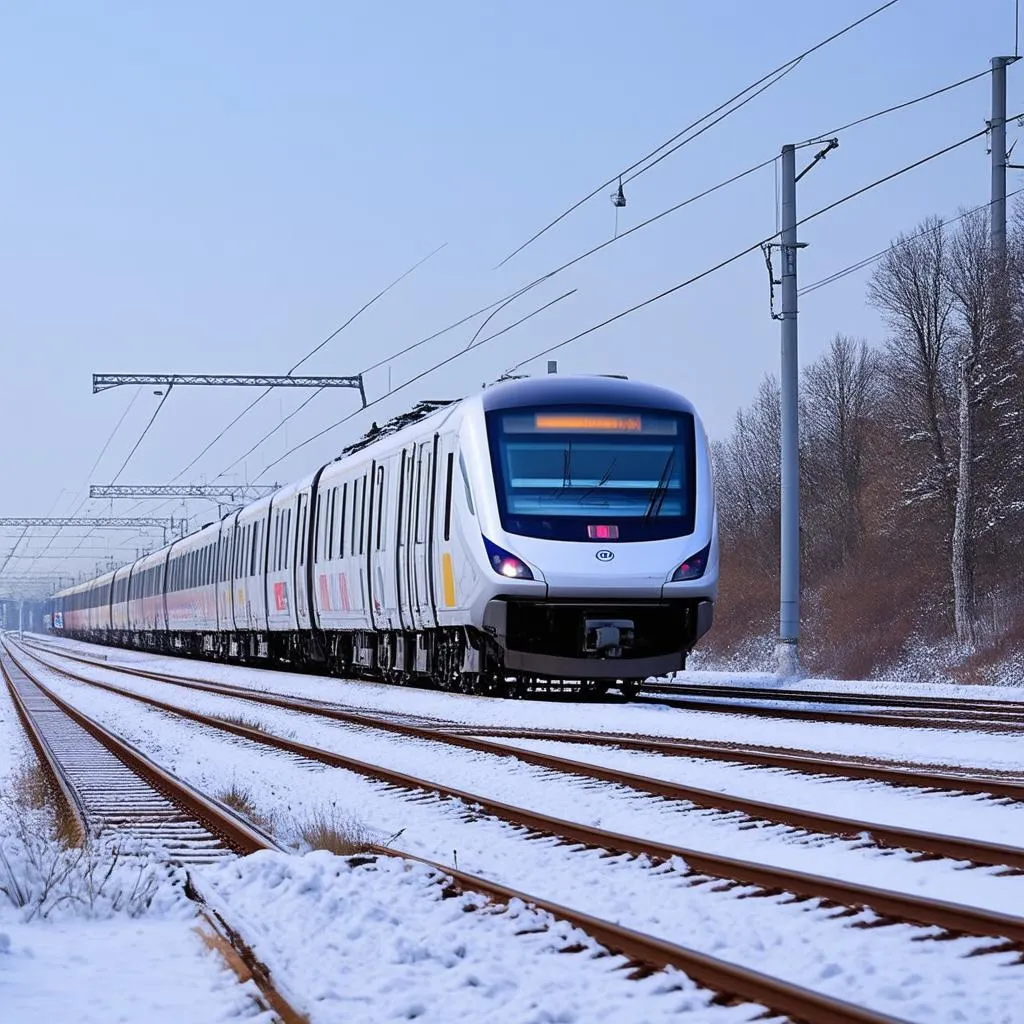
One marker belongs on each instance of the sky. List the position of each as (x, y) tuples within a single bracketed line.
[(216, 188)]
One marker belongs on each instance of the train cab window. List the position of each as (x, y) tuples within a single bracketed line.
[(580, 473)]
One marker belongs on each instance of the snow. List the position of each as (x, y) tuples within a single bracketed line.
[(379, 941), (897, 744), (67, 958), (884, 968)]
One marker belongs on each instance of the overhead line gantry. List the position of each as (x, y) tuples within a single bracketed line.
[(106, 381)]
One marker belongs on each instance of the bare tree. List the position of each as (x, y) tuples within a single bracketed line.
[(975, 283), (840, 394), (910, 287), (747, 472)]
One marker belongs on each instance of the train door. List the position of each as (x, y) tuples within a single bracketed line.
[(407, 536), (300, 586), (423, 530), (401, 541)]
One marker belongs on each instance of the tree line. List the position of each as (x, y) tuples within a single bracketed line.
[(912, 469)]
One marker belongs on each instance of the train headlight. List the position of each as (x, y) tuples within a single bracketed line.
[(693, 568), (504, 563)]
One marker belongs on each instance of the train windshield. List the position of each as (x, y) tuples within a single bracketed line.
[(597, 474)]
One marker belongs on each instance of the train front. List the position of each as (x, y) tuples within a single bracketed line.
[(606, 534)]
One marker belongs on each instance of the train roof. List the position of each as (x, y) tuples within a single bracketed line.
[(559, 389)]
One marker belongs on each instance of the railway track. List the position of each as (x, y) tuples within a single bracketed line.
[(111, 791), (929, 704), (729, 980), (951, 779), (919, 910), (1008, 722), (927, 843)]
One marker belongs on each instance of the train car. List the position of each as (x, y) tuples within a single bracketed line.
[(547, 529), (191, 591), (147, 607)]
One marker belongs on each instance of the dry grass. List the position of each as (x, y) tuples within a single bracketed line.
[(32, 789), (240, 798), (338, 833), (246, 723)]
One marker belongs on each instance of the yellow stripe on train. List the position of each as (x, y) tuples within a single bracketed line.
[(448, 579)]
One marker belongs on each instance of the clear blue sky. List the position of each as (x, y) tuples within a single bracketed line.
[(199, 187)]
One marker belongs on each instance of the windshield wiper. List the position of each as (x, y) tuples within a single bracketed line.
[(607, 475), (659, 492)]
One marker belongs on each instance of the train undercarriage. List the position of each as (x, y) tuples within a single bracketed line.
[(556, 646)]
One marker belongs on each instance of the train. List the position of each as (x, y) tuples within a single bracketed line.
[(547, 531)]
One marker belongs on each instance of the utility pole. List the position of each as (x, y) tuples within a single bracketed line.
[(787, 654), (787, 651), (998, 150)]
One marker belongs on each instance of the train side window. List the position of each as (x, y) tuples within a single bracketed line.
[(401, 513), (380, 507), (355, 517), (286, 533), (448, 498), (362, 514), (465, 481), (341, 520), (333, 506), (301, 534), (417, 521), (255, 528)]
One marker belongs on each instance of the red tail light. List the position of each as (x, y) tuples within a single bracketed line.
[(603, 532)]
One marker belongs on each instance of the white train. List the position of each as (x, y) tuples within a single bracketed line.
[(546, 529)]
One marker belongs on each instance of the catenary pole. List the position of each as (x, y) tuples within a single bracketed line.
[(788, 651), (998, 151)]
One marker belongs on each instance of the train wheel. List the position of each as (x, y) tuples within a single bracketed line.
[(629, 688)]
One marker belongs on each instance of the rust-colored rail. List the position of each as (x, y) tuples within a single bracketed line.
[(468, 736), (950, 916), (215, 818), (881, 700), (719, 975)]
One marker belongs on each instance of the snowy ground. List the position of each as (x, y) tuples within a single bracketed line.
[(922, 980)]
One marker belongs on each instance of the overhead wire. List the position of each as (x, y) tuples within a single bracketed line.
[(77, 509), (412, 380), (785, 66), (494, 307), (366, 305), (145, 431), (868, 260), (309, 355), (753, 248), (906, 168), (497, 308)]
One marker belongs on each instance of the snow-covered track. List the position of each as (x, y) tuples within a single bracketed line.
[(732, 981), (915, 712), (951, 917), (470, 737), (895, 700), (929, 843), (113, 790), (727, 978)]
